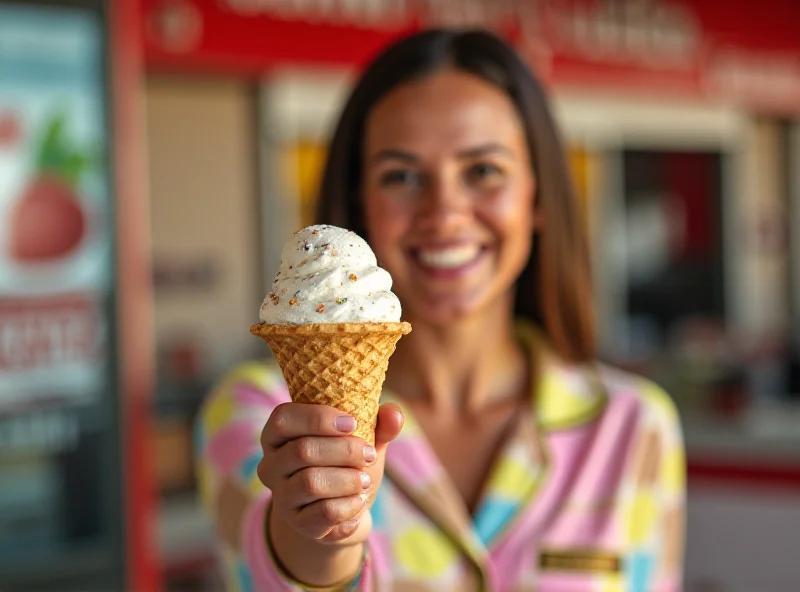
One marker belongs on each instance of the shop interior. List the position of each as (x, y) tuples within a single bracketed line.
[(692, 204)]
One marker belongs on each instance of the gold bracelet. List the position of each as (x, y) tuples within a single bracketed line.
[(340, 586)]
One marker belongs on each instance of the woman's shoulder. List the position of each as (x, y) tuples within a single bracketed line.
[(253, 380), (650, 399)]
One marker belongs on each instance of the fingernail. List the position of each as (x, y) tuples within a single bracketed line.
[(350, 525), (344, 423), (364, 497), (365, 481), (370, 454)]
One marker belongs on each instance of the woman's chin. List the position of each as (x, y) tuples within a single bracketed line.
[(442, 313)]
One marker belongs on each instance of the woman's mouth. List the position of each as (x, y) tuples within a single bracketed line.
[(448, 261)]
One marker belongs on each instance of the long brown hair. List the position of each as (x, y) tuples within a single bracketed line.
[(554, 289)]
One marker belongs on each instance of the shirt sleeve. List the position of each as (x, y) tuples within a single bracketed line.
[(655, 515), (228, 450)]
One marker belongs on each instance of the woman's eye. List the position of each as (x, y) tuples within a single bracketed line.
[(483, 171), (399, 177)]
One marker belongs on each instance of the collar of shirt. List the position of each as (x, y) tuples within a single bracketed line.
[(563, 397)]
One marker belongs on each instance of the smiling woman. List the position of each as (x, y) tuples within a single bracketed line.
[(514, 461), (449, 201), (485, 134)]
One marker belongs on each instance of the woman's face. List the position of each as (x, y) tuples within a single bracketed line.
[(449, 195)]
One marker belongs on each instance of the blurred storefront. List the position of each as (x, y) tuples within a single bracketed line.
[(682, 118), (68, 519)]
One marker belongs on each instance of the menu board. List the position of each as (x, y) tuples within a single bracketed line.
[(55, 225), (60, 444)]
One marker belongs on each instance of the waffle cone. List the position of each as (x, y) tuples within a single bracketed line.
[(338, 364)]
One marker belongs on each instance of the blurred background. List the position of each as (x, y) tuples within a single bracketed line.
[(155, 154)]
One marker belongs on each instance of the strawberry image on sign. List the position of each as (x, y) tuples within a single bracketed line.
[(48, 221)]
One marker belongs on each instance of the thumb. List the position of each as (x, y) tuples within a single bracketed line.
[(390, 422)]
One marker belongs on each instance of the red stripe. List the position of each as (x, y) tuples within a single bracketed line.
[(769, 476), (135, 294)]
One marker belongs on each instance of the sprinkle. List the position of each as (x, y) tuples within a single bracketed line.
[(353, 277), (361, 308), (306, 246), (326, 246), (314, 232), (303, 262), (293, 301), (340, 300), (334, 253), (321, 308)]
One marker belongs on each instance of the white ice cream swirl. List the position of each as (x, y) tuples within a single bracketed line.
[(329, 275)]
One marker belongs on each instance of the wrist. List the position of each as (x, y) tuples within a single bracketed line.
[(308, 563)]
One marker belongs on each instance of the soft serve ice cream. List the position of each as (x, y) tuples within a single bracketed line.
[(332, 322), (329, 275)]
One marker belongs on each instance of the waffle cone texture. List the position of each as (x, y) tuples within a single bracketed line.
[(338, 364)]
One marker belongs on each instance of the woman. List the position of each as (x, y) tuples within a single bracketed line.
[(523, 464)]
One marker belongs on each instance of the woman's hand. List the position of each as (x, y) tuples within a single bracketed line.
[(323, 480)]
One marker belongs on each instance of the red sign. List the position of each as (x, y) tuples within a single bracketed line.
[(744, 52)]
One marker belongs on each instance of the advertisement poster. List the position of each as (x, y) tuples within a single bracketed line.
[(55, 216)]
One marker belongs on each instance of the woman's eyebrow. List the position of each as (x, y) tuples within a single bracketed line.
[(394, 154), (484, 149), (473, 152)]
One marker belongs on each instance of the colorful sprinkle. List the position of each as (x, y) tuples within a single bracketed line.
[(321, 308), (353, 277)]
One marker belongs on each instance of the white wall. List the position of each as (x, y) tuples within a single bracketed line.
[(763, 305), (204, 205)]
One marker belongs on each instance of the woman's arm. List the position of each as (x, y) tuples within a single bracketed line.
[(655, 516), (228, 441)]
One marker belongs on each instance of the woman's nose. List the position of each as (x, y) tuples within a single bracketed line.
[(443, 203)]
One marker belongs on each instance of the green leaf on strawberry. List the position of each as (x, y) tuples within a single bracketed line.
[(56, 156)]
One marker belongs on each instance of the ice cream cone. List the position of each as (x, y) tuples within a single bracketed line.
[(338, 364)]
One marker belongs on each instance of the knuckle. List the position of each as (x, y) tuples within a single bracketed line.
[(312, 482), (306, 451), (353, 449), (261, 471), (330, 511), (318, 421), (280, 418)]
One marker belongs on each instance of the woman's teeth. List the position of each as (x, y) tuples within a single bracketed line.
[(448, 258)]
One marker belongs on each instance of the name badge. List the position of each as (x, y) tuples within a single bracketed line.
[(580, 560)]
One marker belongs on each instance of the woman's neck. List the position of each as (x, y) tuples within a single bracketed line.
[(463, 367)]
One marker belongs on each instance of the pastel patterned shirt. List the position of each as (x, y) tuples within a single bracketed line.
[(586, 495)]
